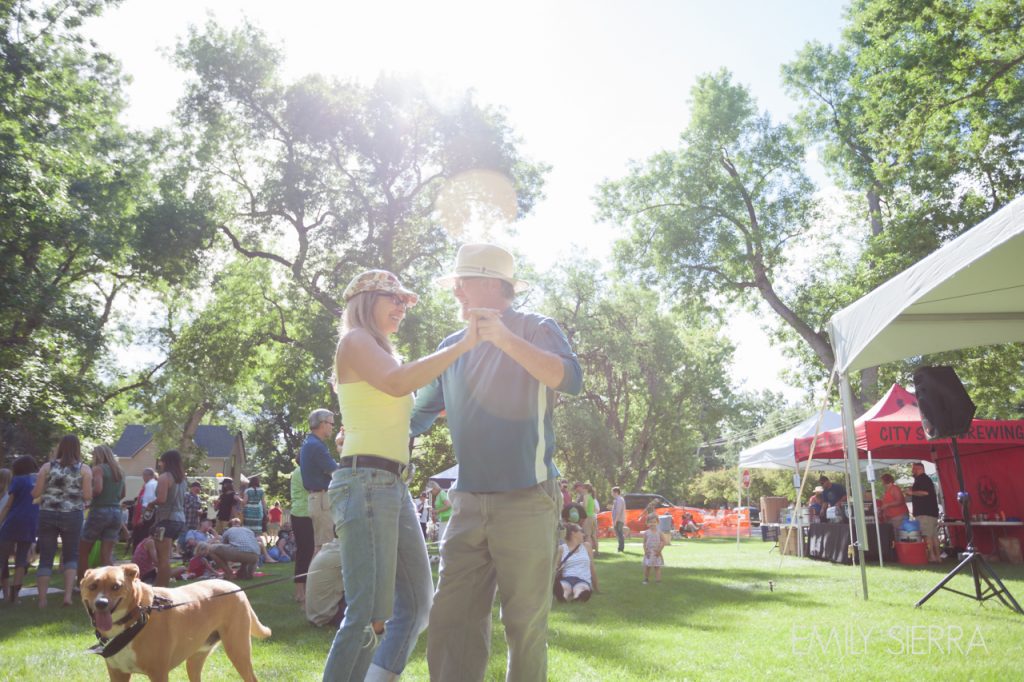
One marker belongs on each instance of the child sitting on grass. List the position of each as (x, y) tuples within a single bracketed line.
[(199, 567), (654, 542)]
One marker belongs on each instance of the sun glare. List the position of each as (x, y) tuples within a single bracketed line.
[(475, 205)]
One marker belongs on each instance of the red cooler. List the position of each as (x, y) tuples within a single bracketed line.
[(912, 553)]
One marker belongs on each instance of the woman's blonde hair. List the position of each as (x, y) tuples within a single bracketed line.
[(5, 480), (102, 454), (359, 315)]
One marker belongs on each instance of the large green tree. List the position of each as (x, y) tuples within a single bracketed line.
[(918, 110), (88, 216), (323, 178), (713, 220), (656, 383), (312, 181)]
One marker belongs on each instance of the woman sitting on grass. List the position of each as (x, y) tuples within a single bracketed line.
[(278, 552), (576, 573)]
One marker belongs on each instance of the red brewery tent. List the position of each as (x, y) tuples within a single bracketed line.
[(992, 455)]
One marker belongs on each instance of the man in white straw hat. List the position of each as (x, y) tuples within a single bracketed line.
[(501, 536)]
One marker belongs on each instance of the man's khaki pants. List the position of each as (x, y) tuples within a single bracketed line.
[(323, 519), (494, 541), (223, 555)]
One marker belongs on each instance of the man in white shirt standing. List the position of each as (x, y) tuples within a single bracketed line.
[(619, 517), (148, 487), (141, 527), (423, 506)]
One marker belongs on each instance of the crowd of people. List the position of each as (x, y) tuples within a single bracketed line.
[(79, 508), (892, 508)]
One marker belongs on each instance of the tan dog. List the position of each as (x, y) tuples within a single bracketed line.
[(116, 601)]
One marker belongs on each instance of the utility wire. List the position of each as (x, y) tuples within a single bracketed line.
[(779, 426)]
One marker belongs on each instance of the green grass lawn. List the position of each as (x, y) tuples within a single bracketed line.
[(722, 612)]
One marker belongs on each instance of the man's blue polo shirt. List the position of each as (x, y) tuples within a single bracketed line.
[(498, 414), (833, 494), (316, 464)]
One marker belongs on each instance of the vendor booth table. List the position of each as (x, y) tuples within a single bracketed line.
[(785, 537), (829, 541), (996, 529)]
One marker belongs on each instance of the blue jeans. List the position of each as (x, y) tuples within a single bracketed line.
[(67, 525), (20, 549), (385, 569), (620, 533), (103, 523)]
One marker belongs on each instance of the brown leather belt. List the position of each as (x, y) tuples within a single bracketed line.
[(372, 462)]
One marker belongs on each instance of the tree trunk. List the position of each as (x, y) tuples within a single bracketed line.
[(818, 342), (868, 389), (875, 212), (869, 375), (186, 445)]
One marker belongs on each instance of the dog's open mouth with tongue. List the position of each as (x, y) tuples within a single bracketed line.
[(103, 614)]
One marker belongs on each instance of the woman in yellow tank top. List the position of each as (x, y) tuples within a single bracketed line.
[(383, 556)]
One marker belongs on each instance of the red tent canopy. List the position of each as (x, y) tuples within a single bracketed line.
[(993, 458), (892, 429)]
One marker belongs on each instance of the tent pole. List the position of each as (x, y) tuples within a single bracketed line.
[(739, 504), (798, 513), (874, 507), (850, 453)]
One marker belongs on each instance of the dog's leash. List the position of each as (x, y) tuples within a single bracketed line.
[(173, 605), (110, 647)]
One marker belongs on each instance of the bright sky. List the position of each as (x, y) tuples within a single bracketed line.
[(589, 85)]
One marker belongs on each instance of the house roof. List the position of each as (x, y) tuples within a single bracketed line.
[(133, 438), (216, 441)]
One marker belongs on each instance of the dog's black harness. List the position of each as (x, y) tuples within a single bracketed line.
[(110, 647)]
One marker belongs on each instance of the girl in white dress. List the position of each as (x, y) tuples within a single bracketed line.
[(654, 542)]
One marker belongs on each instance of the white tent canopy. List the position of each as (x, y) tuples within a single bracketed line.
[(778, 453), (446, 477), (968, 293)]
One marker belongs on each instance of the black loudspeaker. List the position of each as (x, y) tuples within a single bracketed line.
[(946, 409)]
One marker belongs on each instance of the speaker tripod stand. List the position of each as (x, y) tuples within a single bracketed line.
[(981, 570)]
